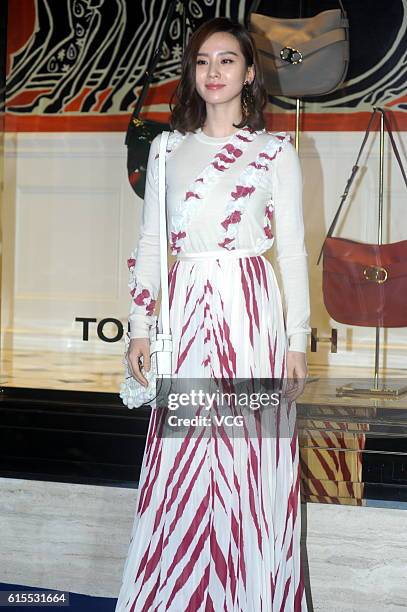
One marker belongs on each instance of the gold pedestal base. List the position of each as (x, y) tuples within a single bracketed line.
[(383, 390)]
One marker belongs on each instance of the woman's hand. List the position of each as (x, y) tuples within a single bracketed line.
[(296, 374), (139, 348)]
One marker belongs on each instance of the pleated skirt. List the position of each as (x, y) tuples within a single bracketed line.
[(217, 521)]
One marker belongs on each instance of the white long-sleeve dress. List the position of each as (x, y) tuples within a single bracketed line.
[(217, 522)]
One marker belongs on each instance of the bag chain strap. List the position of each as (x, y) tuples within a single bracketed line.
[(151, 68), (356, 168), (255, 5)]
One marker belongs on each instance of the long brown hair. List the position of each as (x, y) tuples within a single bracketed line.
[(189, 112)]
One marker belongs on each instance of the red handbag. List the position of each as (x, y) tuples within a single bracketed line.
[(365, 284)]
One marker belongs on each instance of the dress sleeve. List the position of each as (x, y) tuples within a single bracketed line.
[(144, 262), (291, 252)]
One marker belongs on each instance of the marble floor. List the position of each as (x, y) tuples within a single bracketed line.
[(75, 537), (64, 370), (102, 372)]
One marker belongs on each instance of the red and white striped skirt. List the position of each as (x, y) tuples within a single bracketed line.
[(217, 523)]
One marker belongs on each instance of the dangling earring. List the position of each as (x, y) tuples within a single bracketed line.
[(247, 99)]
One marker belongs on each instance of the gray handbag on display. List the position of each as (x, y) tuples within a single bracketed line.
[(302, 57)]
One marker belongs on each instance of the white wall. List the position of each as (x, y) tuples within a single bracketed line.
[(70, 220)]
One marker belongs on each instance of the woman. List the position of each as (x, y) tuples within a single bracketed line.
[(217, 524)]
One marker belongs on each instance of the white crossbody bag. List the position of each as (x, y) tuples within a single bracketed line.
[(133, 393)]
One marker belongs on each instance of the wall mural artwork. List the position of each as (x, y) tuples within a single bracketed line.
[(79, 64)]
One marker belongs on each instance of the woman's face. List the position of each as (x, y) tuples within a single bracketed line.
[(221, 69)]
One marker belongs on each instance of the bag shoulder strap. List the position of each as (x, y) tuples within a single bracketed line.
[(395, 149), (165, 305), (355, 168), (152, 66)]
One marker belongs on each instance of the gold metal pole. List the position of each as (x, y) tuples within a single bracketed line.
[(379, 235), (298, 108), (297, 123)]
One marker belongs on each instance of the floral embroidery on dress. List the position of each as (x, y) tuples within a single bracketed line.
[(268, 218), (248, 180), (220, 163), (174, 139), (141, 296), (143, 301)]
